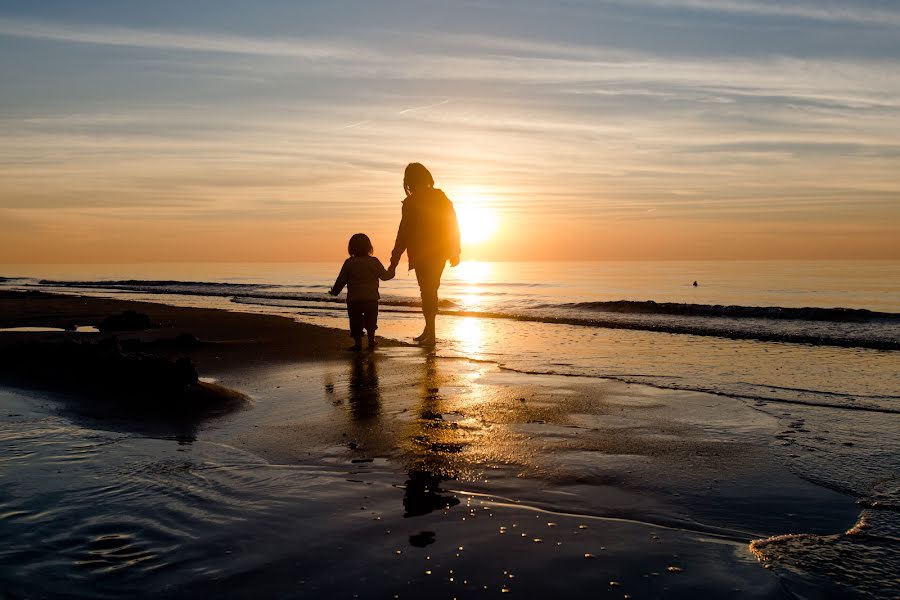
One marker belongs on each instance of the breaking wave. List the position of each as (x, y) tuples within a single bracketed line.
[(820, 326)]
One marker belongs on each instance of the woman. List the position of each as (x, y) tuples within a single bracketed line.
[(429, 234)]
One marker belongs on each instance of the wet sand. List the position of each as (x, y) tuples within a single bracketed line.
[(393, 474)]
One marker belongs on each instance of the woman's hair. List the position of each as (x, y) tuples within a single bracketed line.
[(359, 245), (416, 176)]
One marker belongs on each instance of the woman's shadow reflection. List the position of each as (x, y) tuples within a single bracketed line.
[(428, 463), (426, 445)]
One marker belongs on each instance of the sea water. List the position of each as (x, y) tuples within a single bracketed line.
[(806, 331), (814, 344)]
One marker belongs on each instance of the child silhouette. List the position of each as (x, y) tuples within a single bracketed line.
[(361, 274)]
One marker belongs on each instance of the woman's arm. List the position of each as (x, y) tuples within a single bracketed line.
[(455, 246), (401, 241)]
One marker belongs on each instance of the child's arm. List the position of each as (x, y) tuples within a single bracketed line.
[(385, 274), (340, 282)]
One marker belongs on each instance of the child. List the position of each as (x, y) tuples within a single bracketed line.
[(360, 274)]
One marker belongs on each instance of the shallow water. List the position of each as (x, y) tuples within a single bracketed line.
[(317, 486), (469, 495)]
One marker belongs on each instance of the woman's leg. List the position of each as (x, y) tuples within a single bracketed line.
[(428, 274)]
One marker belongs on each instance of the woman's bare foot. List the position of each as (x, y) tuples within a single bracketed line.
[(372, 344), (428, 340), (421, 336)]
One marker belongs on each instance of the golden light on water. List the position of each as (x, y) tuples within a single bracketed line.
[(472, 274), (468, 332), (469, 335)]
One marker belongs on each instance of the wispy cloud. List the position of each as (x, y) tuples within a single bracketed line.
[(202, 125), (413, 109), (466, 57), (166, 40), (819, 11)]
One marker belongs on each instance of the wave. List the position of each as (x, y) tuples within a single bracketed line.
[(253, 291), (842, 338), (842, 327), (649, 307), (747, 391), (163, 285), (304, 300), (824, 338)]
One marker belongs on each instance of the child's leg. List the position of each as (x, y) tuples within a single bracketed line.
[(372, 321), (355, 312)]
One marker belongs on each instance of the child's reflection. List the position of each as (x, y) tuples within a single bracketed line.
[(364, 394)]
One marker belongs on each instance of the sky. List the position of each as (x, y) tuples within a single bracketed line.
[(224, 130)]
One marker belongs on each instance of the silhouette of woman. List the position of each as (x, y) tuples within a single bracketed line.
[(429, 234)]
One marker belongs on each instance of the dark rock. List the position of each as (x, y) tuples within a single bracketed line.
[(180, 343), (186, 340), (17, 295), (129, 320), (129, 382)]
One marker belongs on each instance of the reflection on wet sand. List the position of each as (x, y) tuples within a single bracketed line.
[(432, 439), (364, 394), (427, 444)]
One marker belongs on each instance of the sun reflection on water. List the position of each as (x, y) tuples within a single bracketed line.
[(469, 291), (469, 336)]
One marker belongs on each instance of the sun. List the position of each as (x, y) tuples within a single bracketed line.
[(477, 222)]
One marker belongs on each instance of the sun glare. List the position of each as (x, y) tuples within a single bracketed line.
[(477, 222), (470, 275), (474, 272)]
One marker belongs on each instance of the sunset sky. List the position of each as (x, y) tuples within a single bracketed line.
[(225, 130)]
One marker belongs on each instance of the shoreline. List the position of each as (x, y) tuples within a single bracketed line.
[(460, 431), (718, 321)]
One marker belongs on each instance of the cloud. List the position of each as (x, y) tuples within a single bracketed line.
[(413, 109), (164, 40), (477, 58), (845, 12), (280, 129)]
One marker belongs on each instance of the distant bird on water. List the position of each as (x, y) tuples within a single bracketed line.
[(695, 284)]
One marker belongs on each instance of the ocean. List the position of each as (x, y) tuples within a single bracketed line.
[(820, 332), (811, 344)]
